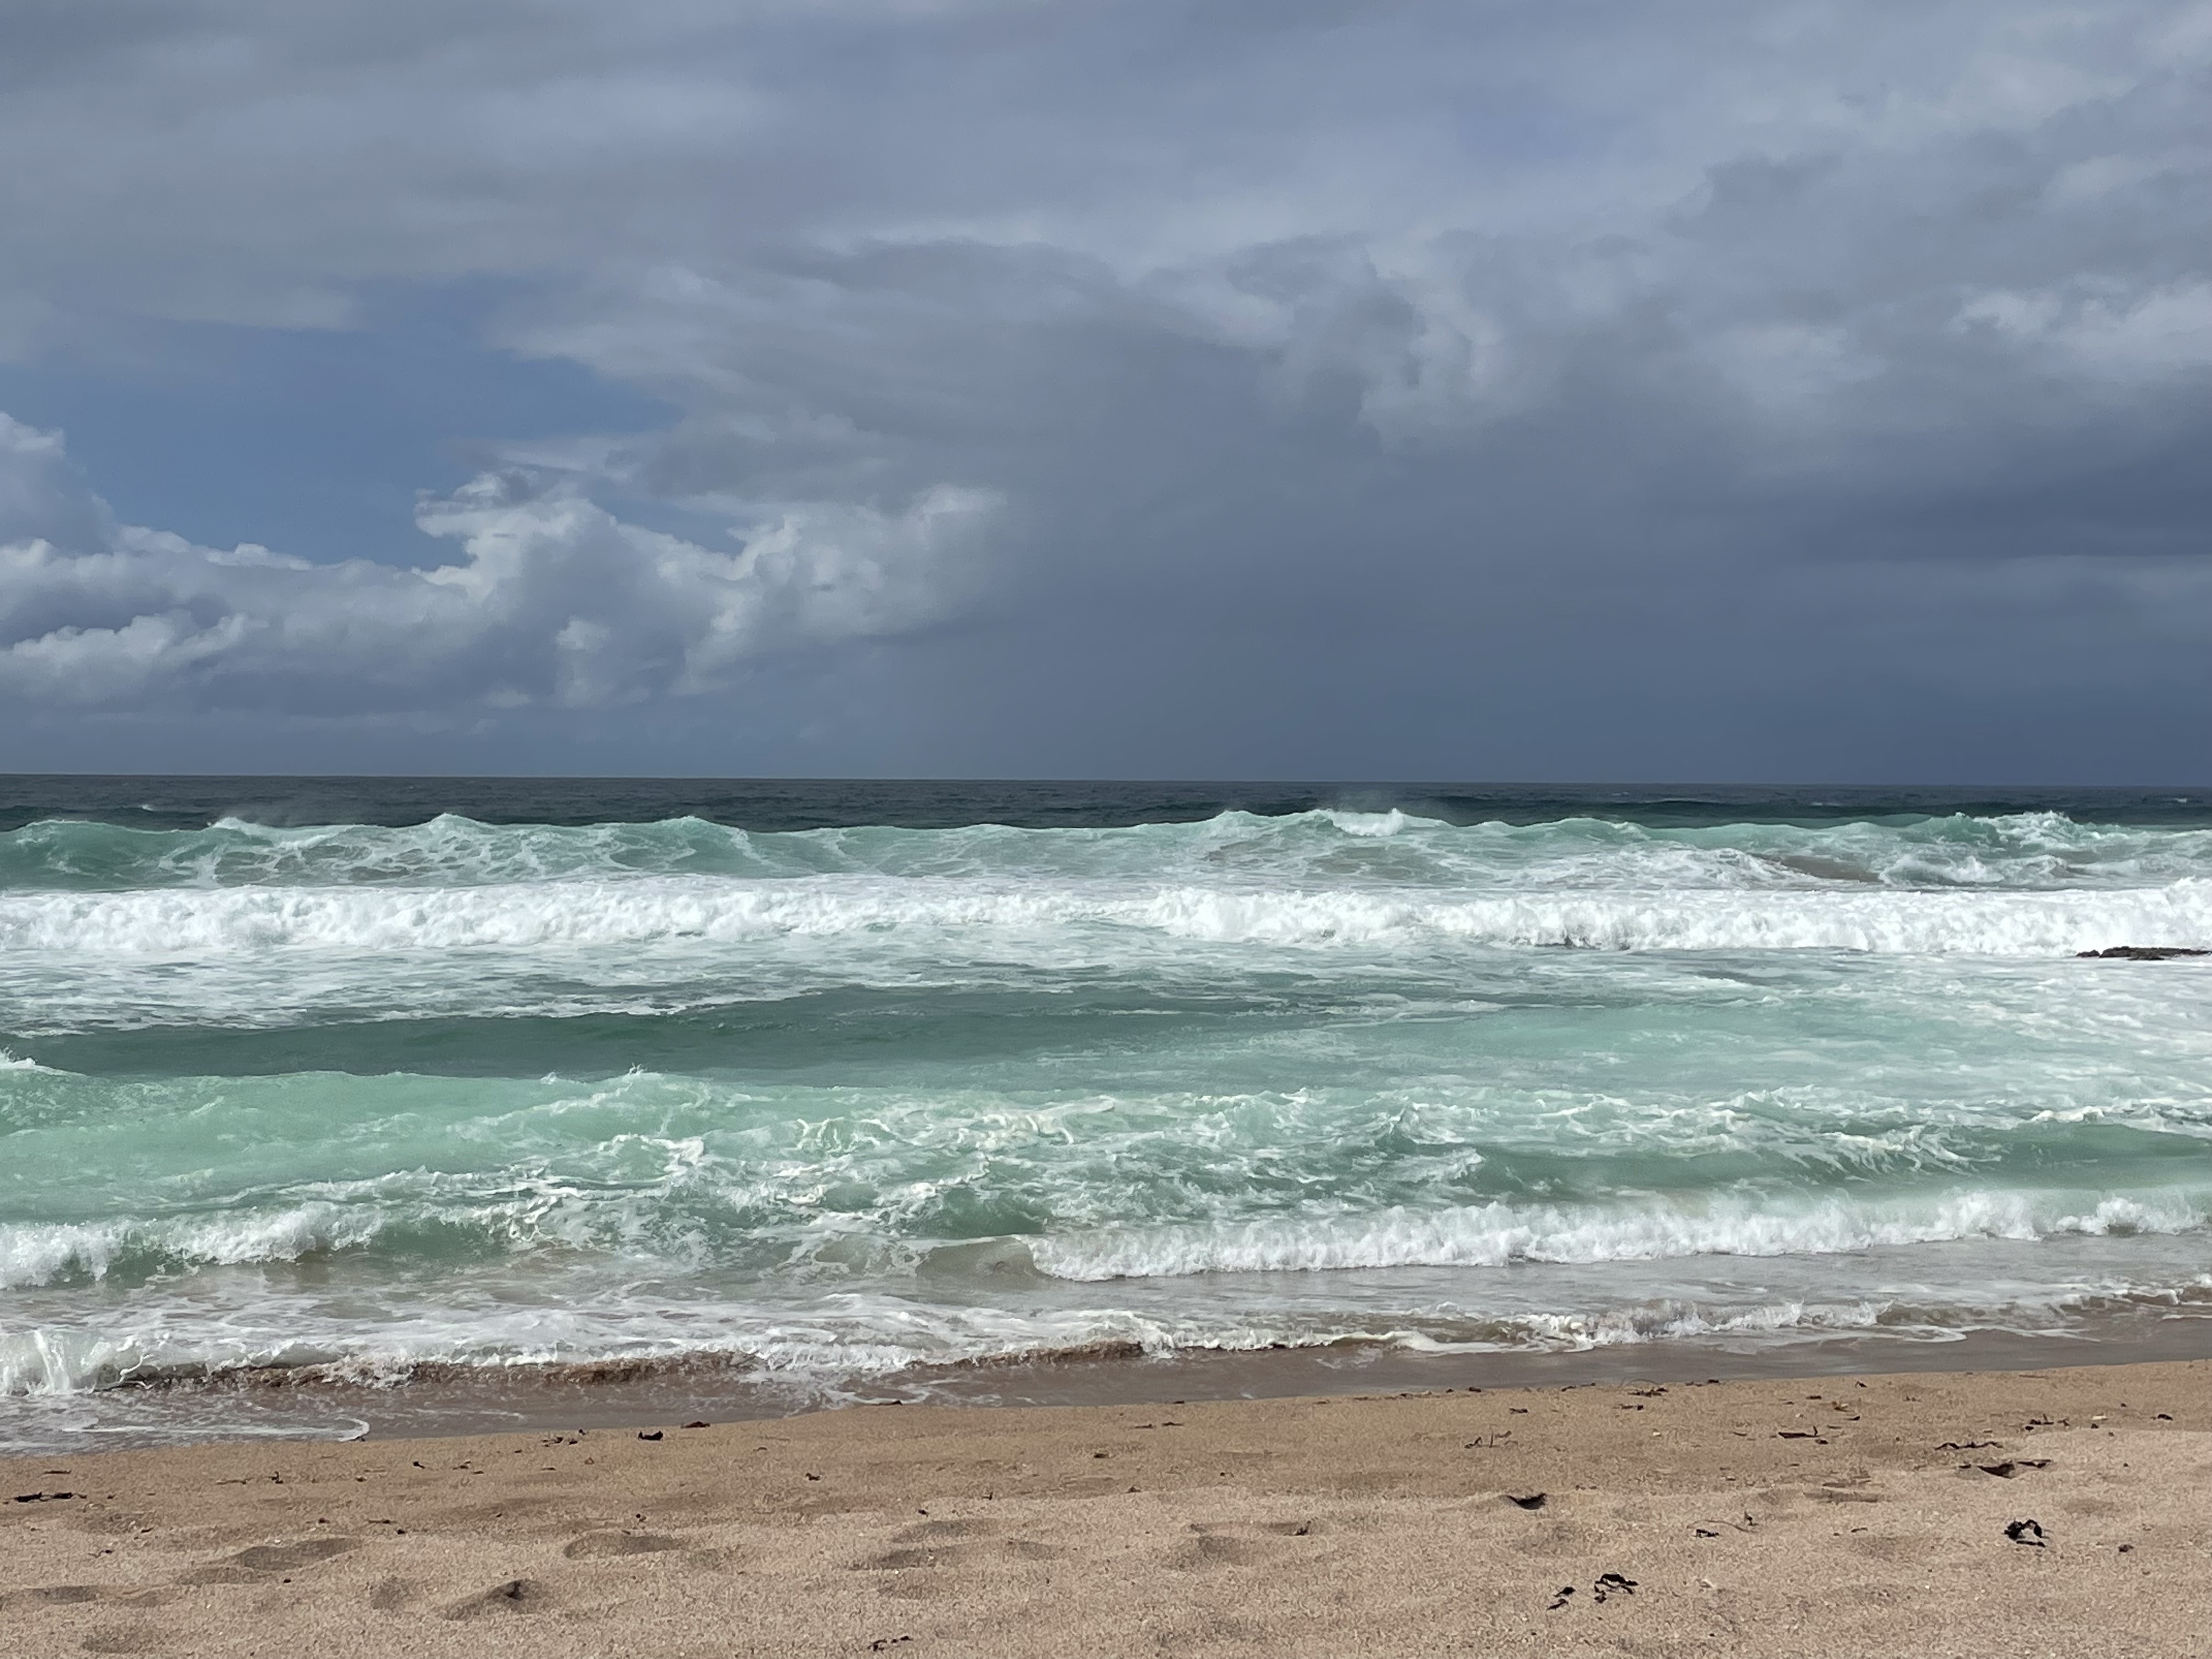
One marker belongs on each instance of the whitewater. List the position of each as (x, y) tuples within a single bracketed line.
[(829, 1085)]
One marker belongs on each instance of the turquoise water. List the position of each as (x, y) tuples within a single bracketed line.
[(829, 1102)]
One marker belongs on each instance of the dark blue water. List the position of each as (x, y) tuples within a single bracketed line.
[(779, 804)]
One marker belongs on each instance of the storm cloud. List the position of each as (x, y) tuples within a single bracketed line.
[(1780, 391)]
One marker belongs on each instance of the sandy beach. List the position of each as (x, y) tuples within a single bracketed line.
[(2066, 1512)]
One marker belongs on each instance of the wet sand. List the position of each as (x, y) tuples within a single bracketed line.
[(1818, 1516), (308, 1402)]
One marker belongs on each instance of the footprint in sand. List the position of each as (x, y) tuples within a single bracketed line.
[(1246, 1544), (256, 1564), (125, 1638), (1883, 1547), (515, 1595), (619, 1543), (930, 1532), (958, 1555), (50, 1596), (289, 1558), (953, 1543)]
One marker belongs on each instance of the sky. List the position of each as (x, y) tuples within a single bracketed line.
[(1478, 390)]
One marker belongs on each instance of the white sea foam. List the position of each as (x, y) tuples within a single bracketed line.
[(1295, 1038), (1495, 1235), (31, 1254), (1492, 1235), (841, 1337), (821, 1349), (716, 910), (2010, 924), (34, 1254), (1377, 824)]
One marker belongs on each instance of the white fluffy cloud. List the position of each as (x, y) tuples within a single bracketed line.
[(552, 601)]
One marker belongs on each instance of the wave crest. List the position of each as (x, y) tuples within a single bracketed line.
[(2028, 850), (1497, 1235), (656, 910)]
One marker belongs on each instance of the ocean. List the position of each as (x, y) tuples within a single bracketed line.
[(324, 1089)]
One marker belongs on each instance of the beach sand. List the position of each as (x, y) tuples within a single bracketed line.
[(1819, 1517)]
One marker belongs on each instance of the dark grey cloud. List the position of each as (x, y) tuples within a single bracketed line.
[(1774, 389)]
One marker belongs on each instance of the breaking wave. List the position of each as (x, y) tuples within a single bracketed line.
[(359, 1103), (567, 1216), (2033, 850), (1497, 1235), (654, 910)]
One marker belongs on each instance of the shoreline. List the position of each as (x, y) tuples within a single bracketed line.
[(1832, 1516), (313, 1403)]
